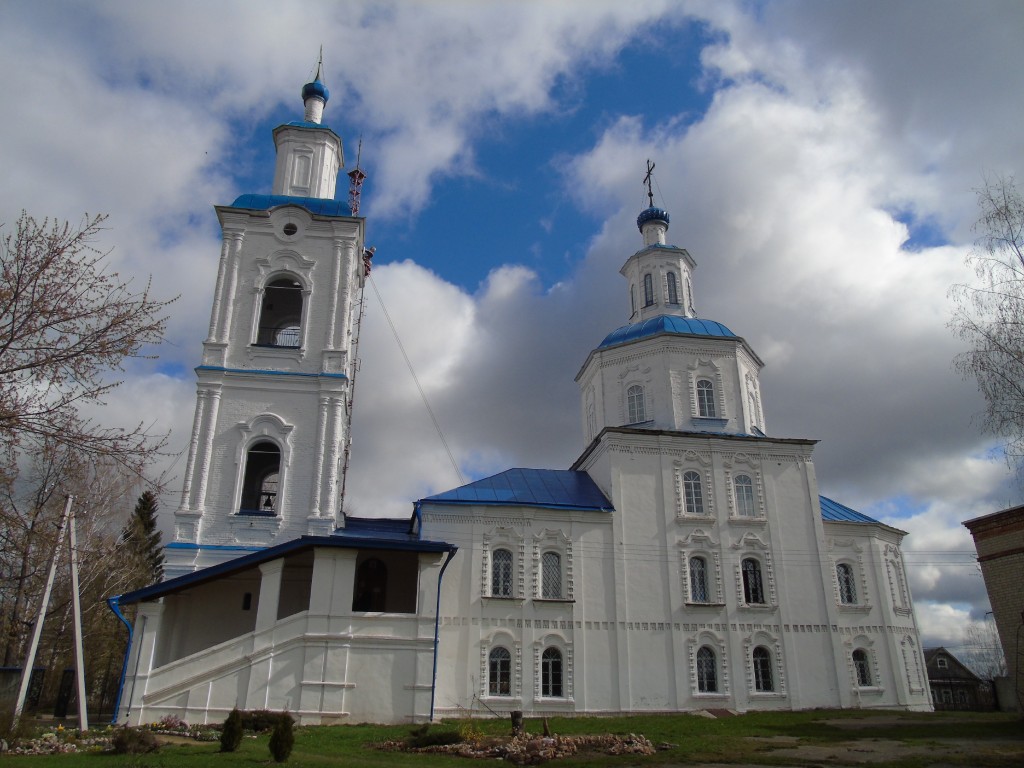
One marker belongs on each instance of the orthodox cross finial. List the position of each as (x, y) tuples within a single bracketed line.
[(647, 181), (319, 63)]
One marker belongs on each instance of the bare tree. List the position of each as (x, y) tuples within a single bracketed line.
[(982, 651), (989, 315), (65, 323)]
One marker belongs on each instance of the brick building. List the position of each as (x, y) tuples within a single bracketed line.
[(999, 540)]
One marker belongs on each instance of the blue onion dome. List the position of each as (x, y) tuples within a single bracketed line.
[(651, 214), (316, 89)]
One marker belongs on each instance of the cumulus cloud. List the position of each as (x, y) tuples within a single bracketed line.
[(831, 133)]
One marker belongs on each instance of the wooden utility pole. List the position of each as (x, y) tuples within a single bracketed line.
[(67, 521)]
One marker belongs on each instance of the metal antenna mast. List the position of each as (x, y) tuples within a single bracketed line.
[(356, 177)]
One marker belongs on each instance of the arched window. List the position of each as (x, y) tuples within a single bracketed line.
[(753, 589), (699, 580), (762, 659), (707, 671), (673, 288), (632, 300), (501, 573), (551, 673), (371, 588), (847, 586), (648, 290), (551, 576), (861, 667), (499, 672), (280, 323), (744, 495), (635, 404), (693, 497), (261, 479), (705, 399)]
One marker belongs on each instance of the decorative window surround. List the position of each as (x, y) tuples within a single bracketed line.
[(504, 538)]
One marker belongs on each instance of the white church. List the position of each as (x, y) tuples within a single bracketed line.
[(685, 561)]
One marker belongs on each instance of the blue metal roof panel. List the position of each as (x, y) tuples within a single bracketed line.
[(315, 205), (652, 326), (399, 529), (561, 488), (833, 510)]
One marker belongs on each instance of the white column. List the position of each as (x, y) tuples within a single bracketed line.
[(270, 595), (232, 286), (213, 396), (225, 249), (193, 449), (332, 456), (321, 452)]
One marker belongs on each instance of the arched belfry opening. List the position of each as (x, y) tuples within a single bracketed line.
[(280, 323), (260, 484)]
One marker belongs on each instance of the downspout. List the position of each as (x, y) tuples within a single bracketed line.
[(417, 513), (437, 626), (116, 608)]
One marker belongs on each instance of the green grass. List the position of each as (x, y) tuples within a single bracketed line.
[(747, 738)]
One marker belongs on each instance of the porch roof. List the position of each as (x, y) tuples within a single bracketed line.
[(362, 538)]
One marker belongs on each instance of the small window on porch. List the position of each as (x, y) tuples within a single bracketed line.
[(386, 581)]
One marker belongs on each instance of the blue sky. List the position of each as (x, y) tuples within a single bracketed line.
[(818, 161)]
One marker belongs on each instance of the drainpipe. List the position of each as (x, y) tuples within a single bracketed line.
[(437, 626), (116, 608)]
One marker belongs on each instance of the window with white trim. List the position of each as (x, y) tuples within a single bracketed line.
[(693, 495), (753, 585), (705, 399), (707, 670), (551, 576), (862, 667), (635, 404), (280, 322), (743, 487), (501, 573), (499, 672), (847, 584), (261, 479), (762, 661), (551, 673), (648, 290), (699, 592), (673, 288)]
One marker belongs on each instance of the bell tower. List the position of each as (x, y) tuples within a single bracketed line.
[(272, 416)]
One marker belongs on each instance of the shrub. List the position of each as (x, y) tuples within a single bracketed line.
[(282, 739), (133, 741), (424, 737), (231, 734), (261, 720)]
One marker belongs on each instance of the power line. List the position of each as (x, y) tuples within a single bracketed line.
[(416, 380)]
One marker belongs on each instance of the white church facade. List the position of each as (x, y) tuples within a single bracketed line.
[(685, 561)]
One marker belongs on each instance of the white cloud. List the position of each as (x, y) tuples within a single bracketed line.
[(824, 119)]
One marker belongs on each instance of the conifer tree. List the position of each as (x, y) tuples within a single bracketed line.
[(144, 539)]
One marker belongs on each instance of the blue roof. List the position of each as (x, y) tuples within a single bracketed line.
[(315, 205), (399, 529), (833, 510), (317, 89), (651, 214), (559, 488), (687, 326)]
